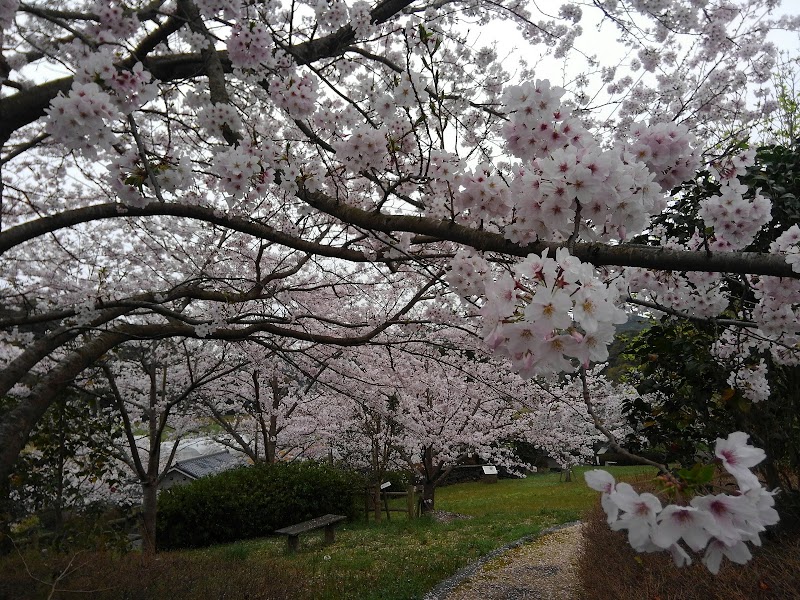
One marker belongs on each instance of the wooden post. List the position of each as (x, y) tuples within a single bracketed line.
[(376, 502), (294, 542), (410, 501), (329, 534), (386, 506)]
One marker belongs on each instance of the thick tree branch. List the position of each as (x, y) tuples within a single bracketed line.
[(624, 255), (27, 106), (32, 229)]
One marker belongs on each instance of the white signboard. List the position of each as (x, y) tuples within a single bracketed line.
[(386, 484), (490, 470)]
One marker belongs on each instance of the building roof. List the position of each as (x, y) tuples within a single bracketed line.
[(209, 464)]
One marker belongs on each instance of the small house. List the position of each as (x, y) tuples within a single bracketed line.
[(185, 471)]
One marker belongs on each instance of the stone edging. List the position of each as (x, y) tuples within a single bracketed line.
[(443, 589)]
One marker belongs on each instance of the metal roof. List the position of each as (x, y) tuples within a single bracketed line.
[(209, 464)]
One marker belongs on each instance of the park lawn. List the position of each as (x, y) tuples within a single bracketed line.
[(397, 559), (401, 559)]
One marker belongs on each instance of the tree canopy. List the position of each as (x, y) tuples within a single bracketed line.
[(311, 177)]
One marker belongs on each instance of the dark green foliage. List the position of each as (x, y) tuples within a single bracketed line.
[(400, 480), (70, 446), (776, 175), (693, 403), (251, 502), (674, 363)]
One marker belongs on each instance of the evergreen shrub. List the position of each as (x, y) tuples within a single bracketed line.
[(251, 502)]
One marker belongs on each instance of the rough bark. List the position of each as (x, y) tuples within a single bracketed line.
[(428, 497), (18, 422), (148, 518), (27, 106), (428, 230)]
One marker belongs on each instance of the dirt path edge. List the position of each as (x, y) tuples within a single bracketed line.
[(444, 588)]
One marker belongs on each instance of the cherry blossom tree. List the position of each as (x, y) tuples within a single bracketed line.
[(562, 424), (152, 385), (425, 406), (323, 174), (265, 410)]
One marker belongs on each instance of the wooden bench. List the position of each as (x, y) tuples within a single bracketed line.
[(293, 532)]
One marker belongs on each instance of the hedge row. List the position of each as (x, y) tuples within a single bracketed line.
[(251, 502)]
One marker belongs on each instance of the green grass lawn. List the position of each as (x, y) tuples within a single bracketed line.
[(398, 559), (402, 559)]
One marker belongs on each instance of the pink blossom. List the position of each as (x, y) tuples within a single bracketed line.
[(738, 457), (736, 551), (639, 514)]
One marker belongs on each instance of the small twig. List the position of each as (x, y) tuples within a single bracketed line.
[(610, 436), (143, 155)]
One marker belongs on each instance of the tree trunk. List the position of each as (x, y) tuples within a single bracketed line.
[(17, 423), (428, 496), (148, 520), (429, 486), (6, 547)]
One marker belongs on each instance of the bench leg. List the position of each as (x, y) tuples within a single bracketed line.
[(294, 542), (329, 534)]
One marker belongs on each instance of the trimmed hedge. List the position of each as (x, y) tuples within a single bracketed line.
[(252, 502)]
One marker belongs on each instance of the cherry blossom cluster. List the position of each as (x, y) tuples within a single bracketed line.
[(100, 95), (748, 372), (735, 219), (410, 90), (668, 151), (719, 525), (231, 9), (236, 169), (331, 14), (731, 166), (788, 243), (538, 122), (80, 120), (133, 88), (445, 171), (696, 293), (484, 194), (196, 41), (250, 47), (213, 118), (114, 24), (130, 89), (297, 95), (467, 275), (565, 186), (363, 150), (750, 380), (551, 316), (85, 312), (567, 177), (361, 20), (777, 312)]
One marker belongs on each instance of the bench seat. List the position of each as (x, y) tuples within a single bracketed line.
[(293, 532)]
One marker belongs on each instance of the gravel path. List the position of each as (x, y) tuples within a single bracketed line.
[(538, 567)]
